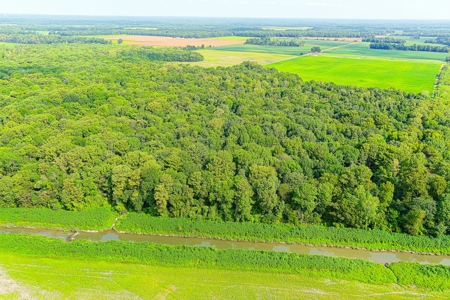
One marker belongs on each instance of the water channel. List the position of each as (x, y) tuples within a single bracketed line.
[(379, 257)]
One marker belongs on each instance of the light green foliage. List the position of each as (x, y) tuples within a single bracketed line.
[(436, 278), (200, 257), (93, 219), (405, 75), (373, 240)]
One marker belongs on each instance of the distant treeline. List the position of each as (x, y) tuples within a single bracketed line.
[(389, 46), (270, 42), (439, 40), (167, 54), (384, 40), (48, 39)]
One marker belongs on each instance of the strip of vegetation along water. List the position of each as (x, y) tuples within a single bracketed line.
[(110, 235), (300, 239)]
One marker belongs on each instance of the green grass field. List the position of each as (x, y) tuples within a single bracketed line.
[(45, 278), (215, 58), (405, 75), (361, 50)]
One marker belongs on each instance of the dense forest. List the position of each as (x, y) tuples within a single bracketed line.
[(270, 42), (384, 40), (86, 126), (401, 47), (48, 39)]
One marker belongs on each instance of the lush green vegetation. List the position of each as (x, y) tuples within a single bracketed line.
[(373, 240), (204, 257), (430, 277), (58, 278), (435, 278), (405, 75), (86, 126), (140, 54), (93, 219)]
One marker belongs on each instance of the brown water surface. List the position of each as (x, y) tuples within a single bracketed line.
[(379, 257)]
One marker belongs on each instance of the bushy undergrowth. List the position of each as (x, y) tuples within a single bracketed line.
[(185, 256), (373, 240), (94, 219), (424, 276)]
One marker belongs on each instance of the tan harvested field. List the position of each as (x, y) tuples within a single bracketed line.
[(172, 42)]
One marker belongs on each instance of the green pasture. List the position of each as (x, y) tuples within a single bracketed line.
[(409, 76), (24, 277), (230, 58), (361, 50)]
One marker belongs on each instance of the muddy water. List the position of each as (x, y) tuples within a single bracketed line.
[(379, 257)]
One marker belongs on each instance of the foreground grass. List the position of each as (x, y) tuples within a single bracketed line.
[(215, 58), (45, 278), (409, 76)]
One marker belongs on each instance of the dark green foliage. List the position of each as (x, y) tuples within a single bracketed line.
[(87, 125), (384, 40), (394, 46), (92, 219), (231, 259), (166, 54), (270, 42), (373, 240), (316, 50), (436, 278), (48, 39)]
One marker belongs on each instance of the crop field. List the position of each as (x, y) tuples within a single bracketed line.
[(405, 75), (295, 51), (171, 42), (24, 277), (231, 58)]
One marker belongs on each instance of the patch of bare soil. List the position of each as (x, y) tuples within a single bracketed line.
[(173, 42), (9, 286)]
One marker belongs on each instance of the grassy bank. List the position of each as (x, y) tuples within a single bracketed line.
[(60, 278), (338, 237), (95, 219), (202, 257), (426, 277)]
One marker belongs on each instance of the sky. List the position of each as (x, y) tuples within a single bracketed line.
[(347, 9)]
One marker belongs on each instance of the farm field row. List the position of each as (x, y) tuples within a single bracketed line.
[(47, 278), (295, 51)]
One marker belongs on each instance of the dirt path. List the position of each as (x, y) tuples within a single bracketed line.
[(9, 287)]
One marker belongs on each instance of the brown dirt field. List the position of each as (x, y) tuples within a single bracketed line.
[(332, 39), (172, 42)]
